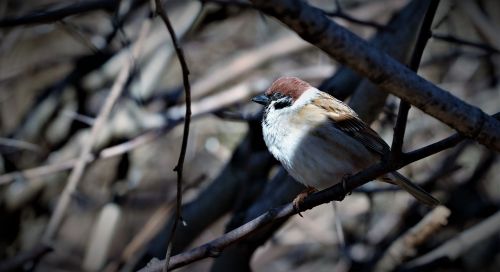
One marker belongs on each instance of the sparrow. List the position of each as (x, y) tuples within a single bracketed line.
[(320, 140)]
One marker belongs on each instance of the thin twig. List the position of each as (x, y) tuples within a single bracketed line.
[(187, 119), (452, 39), (241, 4), (77, 172), (424, 33), (19, 144), (460, 244), (40, 171), (49, 16), (399, 130), (174, 115), (406, 245), (13, 264), (340, 14)]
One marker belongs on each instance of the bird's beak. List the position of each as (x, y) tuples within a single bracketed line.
[(261, 99)]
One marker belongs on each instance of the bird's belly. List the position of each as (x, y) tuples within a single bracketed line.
[(321, 160)]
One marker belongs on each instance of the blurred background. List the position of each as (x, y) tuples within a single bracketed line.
[(60, 59)]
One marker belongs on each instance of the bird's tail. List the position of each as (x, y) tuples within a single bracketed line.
[(412, 188)]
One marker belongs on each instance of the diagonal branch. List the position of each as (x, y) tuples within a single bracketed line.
[(334, 193), (313, 26), (77, 172), (49, 16)]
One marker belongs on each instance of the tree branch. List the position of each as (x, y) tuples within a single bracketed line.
[(459, 41), (23, 258), (77, 172), (44, 17), (424, 33), (187, 119), (334, 193)]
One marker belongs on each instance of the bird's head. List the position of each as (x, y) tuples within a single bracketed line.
[(284, 92)]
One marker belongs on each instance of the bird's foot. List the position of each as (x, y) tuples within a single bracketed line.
[(299, 199)]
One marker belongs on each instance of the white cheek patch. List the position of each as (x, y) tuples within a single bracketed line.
[(306, 98)]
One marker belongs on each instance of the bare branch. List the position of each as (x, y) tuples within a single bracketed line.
[(406, 245), (44, 17), (399, 130), (77, 172), (460, 41), (334, 193), (23, 258), (187, 119), (424, 34), (339, 13), (460, 244)]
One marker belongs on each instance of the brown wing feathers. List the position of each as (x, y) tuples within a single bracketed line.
[(346, 120)]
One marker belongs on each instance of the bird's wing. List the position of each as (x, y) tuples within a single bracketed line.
[(346, 120)]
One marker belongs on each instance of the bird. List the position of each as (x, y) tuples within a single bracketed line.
[(320, 140)]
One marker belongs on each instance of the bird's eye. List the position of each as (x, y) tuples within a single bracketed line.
[(282, 103), (276, 96)]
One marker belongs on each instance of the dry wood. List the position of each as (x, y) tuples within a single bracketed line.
[(77, 172), (405, 246)]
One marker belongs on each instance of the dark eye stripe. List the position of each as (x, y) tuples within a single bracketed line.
[(282, 103)]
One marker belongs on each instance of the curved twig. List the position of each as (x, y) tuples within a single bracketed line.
[(187, 119)]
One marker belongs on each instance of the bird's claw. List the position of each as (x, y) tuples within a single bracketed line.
[(299, 199)]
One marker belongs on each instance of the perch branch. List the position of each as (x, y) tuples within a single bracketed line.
[(334, 193)]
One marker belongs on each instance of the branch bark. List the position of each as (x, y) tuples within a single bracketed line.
[(44, 17), (187, 120), (77, 172)]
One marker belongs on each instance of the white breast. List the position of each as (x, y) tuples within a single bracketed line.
[(314, 153)]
